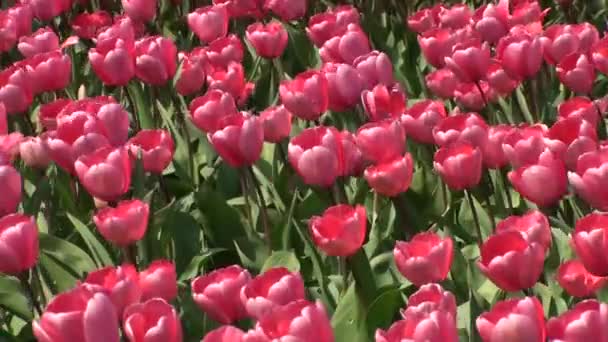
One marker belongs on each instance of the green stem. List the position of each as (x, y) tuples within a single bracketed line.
[(487, 195), (245, 191), (475, 217), (262, 206), (129, 254), (29, 291), (505, 185)]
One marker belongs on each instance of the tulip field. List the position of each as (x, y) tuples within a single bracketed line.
[(303, 170)]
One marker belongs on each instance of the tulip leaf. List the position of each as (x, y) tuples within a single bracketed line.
[(99, 252), (282, 259), (186, 234), (140, 109), (12, 298), (384, 310), (70, 257), (466, 219), (349, 320)]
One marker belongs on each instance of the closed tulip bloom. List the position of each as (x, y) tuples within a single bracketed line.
[(324, 26), (305, 96), (88, 25), (384, 102), (274, 288), (344, 85), (242, 8), (571, 137), (105, 173), (230, 79), (588, 179), (456, 16), (381, 141), (589, 242), (287, 9), (225, 333), (155, 60), (534, 225), (125, 224), (432, 297), (523, 145), (193, 74), (121, 282), (116, 121), (573, 277), (425, 19), (159, 280), (500, 81), (375, 68), (18, 243), (459, 165), (433, 326), (470, 62), (154, 319), (43, 40), (352, 159), (442, 83), (340, 231), (391, 178), (34, 151), (156, 147), (517, 319), (10, 181), (586, 321), (580, 107), (16, 89), (560, 41), (511, 262), (240, 141), (469, 97), (221, 52), (346, 47), (113, 60), (46, 10), (425, 259), (22, 15), (599, 55), (218, 293), (544, 183), (8, 31), (420, 119), (296, 321), (80, 314), (492, 21), (315, 154), (47, 116), (207, 111), (277, 123), (140, 10), (268, 40), (209, 23), (577, 73), (50, 71), (436, 45), (461, 127), (493, 153), (9, 146)]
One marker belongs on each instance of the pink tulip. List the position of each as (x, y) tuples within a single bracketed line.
[(159, 280), (9, 146), (10, 181), (209, 23), (193, 74), (459, 165), (242, 8), (573, 277), (391, 178), (240, 141), (493, 152), (352, 161), (324, 26), (588, 178), (470, 62), (43, 40), (8, 31), (34, 152), (470, 97), (461, 127), (492, 21), (306, 96), (580, 107), (152, 320), (534, 226), (18, 243), (346, 47), (218, 293), (433, 326), (274, 288), (599, 55), (269, 41), (287, 9), (88, 25), (105, 173), (381, 141), (140, 10), (572, 137), (500, 81), (432, 297), (344, 86), (588, 242), (340, 231), (456, 16), (116, 121), (384, 102), (375, 68), (586, 321), (22, 14), (518, 319), (425, 19), (315, 155), (221, 52), (80, 314), (442, 83), (436, 45), (523, 145), (121, 283), (426, 258), (113, 58), (230, 79), (45, 10), (125, 224), (277, 123), (155, 60), (577, 73), (421, 118), (208, 111), (225, 333), (50, 71), (16, 89), (156, 148)]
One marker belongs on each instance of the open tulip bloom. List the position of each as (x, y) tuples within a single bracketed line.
[(303, 171)]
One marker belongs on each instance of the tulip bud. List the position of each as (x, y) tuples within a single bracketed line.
[(209, 23), (156, 147), (391, 178), (269, 41), (534, 226), (277, 123), (41, 41), (459, 165), (125, 224), (340, 231), (159, 280), (517, 319), (121, 283), (140, 10), (274, 288), (155, 60), (426, 258), (305, 96), (19, 243), (573, 277), (154, 319), (105, 173)]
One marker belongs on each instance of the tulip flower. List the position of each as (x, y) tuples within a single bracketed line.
[(572, 137), (463, 127), (105, 173), (277, 123), (469, 96), (80, 314), (459, 165), (225, 333), (305, 96), (218, 293), (469, 61), (270, 290), (586, 321), (517, 319), (344, 86), (425, 19), (442, 82), (381, 141), (193, 74), (340, 231), (159, 280), (425, 259), (18, 243), (431, 326), (287, 9), (10, 182), (156, 147), (230, 79), (579, 107), (421, 118), (588, 241), (573, 277), (346, 47), (155, 59), (140, 10), (122, 284), (431, 297), (41, 41), (384, 102), (391, 178), (34, 151), (269, 41), (534, 225), (492, 21), (511, 262), (499, 81), (493, 152), (599, 55), (524, 145), (209, 23), (240, 141), (588, 179), (125, 224), (242, 8), (207, 111), (223, 51), (88, 25), (315, 155), (324, 26), (577, 73), (50, 71), (21, 15), (45, 10), (113, 58), (153, 319), (436, 45), (16, 89)]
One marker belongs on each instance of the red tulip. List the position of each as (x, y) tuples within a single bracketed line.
[(10, 181), (577, 73), (599, 54), (492, 21), (296, 321), (352, 159), (140, 10), (45, 10), (48, 113), (425, 259), (324, 26), (469, 96), (221, 52), (523, 145), (43, 40), (433, 326), (155, 60), (431, 297), (9, 147), (105, 173), (269, 40), (340, 231), (588, 241), (34, 152), (375, 68), (534, 226), (579, 107), (442, 83), (125, 224), (80, 314), (156, 147), (240, 141), (499, 81), (573, 277), (209, 22), (274, 288), (544, 182), (436, 45), (159, 280), (208, 111), (277, 123), (469, 62), (511, 262), (588, 179), (242, 8), (15, 89), (425, 19), (572, 137), (306, 96), (121, 283), (152, 320), (230, 79), (420, 119), (225, 333), (461, 127), (586, 321), (517, 319), (193, 75), (381, 141), (384, 102), (346, 47), (18, 242), (459, 165), (217, 293), (287, 9), (344, 85), (391, 178), (493, 153), (8, 31), (88, 25)]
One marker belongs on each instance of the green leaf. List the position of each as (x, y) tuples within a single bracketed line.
[(99, 252), (186, 234), (282, 259), (364, 276), (465, 218), (142, 111), (13, 299), (381, 313), (73, 259), (197, 263), (349, 320)]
